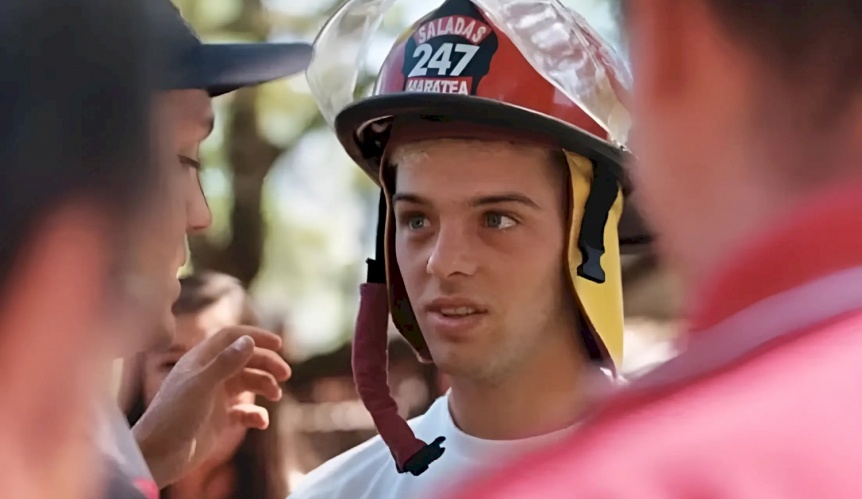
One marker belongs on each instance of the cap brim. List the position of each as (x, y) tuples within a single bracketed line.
[(635, 237), (220, 68)]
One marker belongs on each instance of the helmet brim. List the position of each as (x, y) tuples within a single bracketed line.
[(361, 129)]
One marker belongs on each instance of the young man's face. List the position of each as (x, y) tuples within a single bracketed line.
[(480, 240), (184, 118)]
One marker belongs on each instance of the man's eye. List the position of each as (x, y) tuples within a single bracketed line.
[(417, 222), (499, 221), (190, 162), (167, 366)]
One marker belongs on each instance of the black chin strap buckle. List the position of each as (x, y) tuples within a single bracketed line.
[(419, 462)]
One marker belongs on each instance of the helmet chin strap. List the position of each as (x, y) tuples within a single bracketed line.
[(595, 199), (591, 240), (371, 359)]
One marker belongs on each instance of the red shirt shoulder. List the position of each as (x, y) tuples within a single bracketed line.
[(772, 424)]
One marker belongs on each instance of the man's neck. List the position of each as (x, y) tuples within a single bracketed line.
[(757, 207), (815, 237), (546, 394)]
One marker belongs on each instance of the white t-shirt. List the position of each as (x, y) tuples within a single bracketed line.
[(368, 470), (125, 462), (117, 443)]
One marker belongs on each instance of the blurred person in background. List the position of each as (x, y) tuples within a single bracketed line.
[(749, 143), (498, 246), (242, 464), (76, 176), (183, 422)]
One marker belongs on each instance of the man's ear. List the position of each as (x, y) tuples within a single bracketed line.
[(53, 316), (52, 347), (62, 269)]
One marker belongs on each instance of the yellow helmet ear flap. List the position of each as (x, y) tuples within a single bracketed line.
[(600, 302)]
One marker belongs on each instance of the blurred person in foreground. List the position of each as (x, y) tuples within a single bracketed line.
[(75, 179), (749, 137), (498, 245), (185, 419), (242, 463)]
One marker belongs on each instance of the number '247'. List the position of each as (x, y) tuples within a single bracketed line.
[(442, 59)]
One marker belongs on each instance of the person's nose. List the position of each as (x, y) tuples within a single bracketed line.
[(452, 253)]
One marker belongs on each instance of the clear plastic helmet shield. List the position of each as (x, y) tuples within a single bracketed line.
[(556, 41)]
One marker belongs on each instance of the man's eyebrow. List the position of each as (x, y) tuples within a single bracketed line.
[(409, 198), (206, 124), (509, 197)]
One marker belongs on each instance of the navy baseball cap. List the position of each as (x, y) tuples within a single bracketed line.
[(220, 68)]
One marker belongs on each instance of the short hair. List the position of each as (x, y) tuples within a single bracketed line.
[(201, 290), (75, 88), (555, 155), (823, 39), (805, 43)]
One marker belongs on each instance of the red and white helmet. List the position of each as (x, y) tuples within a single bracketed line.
[(530, 71)]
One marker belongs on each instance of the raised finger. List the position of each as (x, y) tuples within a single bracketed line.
[(256, 381), (225, 337), (271, 362), (250, 416)]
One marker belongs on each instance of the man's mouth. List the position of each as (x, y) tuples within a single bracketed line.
[(457, 312), (455, 318), (455, 307)]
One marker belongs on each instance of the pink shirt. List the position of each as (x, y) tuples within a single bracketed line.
[(766, 401)]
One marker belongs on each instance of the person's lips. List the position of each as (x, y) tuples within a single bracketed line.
[(455, 316)]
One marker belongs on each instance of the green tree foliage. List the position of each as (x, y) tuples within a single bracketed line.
[(293, 217)]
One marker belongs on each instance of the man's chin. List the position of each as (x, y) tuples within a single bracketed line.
[(458, 364)]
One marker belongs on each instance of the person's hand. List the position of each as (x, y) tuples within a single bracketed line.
[(197, 399)]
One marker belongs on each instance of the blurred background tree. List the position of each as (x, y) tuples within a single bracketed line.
[(284, 230), (294, 220), (293, 217)]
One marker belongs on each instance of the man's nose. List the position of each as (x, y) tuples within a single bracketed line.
[(452, 253)]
